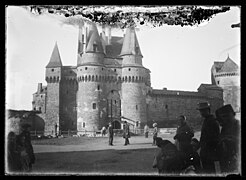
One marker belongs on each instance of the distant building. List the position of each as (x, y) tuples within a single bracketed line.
[(110, 84), (227, 76)]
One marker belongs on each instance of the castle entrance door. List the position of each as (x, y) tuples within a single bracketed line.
[(114, 108), (116, 124)]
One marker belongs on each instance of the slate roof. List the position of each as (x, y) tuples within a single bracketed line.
[(55, 59)]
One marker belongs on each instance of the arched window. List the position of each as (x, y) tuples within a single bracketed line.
[(129, 78), (92, 78), (39, 108), (132, 78), (98, 87), (123, 79), (82, 78), (136, 79), (99, 78), (85, 78), (126, 78), (94, 105), (96, 78), (89, 78)]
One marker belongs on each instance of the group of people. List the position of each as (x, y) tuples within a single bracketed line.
[(20, 155), (126, 133), (217, 151)]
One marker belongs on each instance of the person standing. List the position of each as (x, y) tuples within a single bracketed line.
[(209, 138), (155, 133), (183, 135), (228, 146), (110, 134), (126, 133), (13, 155), (146, 131), (28, 145)]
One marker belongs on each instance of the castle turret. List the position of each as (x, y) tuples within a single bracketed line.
[(53, 78), (135, 78), (90, 75)]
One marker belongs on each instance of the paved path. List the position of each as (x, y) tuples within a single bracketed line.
[(101, 143)]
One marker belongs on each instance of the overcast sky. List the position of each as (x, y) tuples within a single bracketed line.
[(179, 58)]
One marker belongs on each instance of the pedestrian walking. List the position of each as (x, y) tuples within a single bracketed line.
[(155, 133), (110, 134), (27, 143), (25, 159), (229, 140), (126, 133), (209, 138), (184, 134), (146, 131)]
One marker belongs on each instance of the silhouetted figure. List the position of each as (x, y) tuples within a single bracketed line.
[(110, 134), (126, 133), (13, 155), (228, 146), (184, 134), (27, 143), (209, 138)]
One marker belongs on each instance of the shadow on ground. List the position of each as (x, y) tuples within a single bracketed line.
[(101, 161)]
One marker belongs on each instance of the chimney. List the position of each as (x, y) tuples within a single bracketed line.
[(39, 87)]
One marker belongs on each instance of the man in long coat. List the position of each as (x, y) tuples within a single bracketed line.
[(209, 138), (229, 140), (110, 134), (126, 133)]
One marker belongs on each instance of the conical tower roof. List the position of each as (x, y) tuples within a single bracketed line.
[(55, 59), (130, 43), (229, 66), (94, 40)]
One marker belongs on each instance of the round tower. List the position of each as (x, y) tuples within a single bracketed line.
[(135, 78), (90, 76)]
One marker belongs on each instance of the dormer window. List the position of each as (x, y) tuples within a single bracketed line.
[(95, 47)]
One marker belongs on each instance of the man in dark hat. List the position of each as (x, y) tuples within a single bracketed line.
[(126, 133), (228, 146), (110, 134), (209, 138), (184, 134), (28, 145)]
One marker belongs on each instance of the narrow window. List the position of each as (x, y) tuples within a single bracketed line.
[(115, 101), (34, 109), (52, 70), (136, 107), (98, 87), (85, 68), (166, 107), (39, 108), (94, 47), (94, 105), (129, 69), (114, 70), (83, 124), (218, 82), (102, 69), (41, 96)]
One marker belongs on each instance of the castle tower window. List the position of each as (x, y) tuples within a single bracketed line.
[(95, 47), (89, 77), (218, 82), (129, 69), (86, 68), (102, 69), (92, 78), (98, 87), (39, 108), (83, 124), (52, 70), (115, 101), (34, 109), (114, 70), (136, 107), (41, 96), (94, 106), (96, 78), (166, 106)]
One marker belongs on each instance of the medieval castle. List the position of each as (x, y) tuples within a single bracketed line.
[(110, 84)]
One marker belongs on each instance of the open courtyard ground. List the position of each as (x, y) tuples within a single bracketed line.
[(84, 155)]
